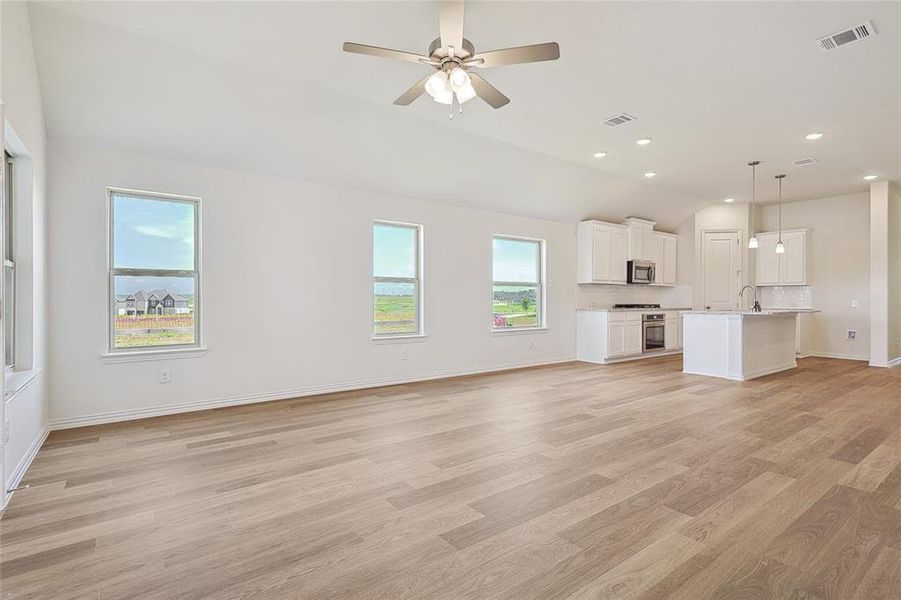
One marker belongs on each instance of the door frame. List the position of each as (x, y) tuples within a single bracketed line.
[(742, 261)]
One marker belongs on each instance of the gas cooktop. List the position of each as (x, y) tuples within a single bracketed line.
[(636, 306)]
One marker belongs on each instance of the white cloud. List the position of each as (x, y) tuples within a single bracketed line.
[(155, 231)]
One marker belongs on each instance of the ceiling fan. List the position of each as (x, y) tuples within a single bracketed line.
[(452, 56)]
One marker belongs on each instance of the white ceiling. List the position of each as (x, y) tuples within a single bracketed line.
[(265, 87)]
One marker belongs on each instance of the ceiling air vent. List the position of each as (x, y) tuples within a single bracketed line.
[(803, 162), (620, 119), (859, 32)]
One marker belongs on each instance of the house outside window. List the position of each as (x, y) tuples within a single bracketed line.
[(518, 289), (154, 272)]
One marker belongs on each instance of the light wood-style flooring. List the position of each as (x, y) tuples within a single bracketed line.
[(571, 481)]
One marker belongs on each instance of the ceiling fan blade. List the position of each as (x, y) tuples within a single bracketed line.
[(383, 52), (450, 23), (518, 55), (413, 93), (487, 92)]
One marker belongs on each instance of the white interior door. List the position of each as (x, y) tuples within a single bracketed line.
[(722, 269)]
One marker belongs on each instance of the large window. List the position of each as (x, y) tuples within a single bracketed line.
[(397, 289), (9, 266), (154, 275), (518, 292)]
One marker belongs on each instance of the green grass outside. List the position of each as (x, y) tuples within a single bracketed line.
[(395, 314)]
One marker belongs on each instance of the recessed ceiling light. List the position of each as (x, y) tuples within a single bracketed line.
[(814, 136), (729, 200), (650, 174), (870, 177), (643, 141), (599, 154)]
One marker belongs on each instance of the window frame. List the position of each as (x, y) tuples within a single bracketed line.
[(9, 263), (417, 282), (540, 284), (113, 272)]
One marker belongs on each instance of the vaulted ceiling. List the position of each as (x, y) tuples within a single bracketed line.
[(265, 87)]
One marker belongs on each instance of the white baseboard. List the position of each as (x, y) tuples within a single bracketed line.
[(894, 362), (746, 376), (769, 371), (172, 409), (838, 355), (16, 476)]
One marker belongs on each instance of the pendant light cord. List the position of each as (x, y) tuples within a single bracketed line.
[(753, 164), (780, 178)]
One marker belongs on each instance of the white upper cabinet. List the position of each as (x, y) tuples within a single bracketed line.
[(603, 249), (790, 268), (641, 239), (664, 258), (601, 252)]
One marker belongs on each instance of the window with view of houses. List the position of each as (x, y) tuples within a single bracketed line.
[(397, 290), (154, 274), (517, 291)]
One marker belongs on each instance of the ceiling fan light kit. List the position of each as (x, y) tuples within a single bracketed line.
[(452, 56)]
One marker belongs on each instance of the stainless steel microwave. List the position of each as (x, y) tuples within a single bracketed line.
[(640, 271)]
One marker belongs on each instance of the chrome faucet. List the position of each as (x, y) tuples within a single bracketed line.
[(756, 307)]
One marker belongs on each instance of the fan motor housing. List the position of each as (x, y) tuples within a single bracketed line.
[(439, 54)]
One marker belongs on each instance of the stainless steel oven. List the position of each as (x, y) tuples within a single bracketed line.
[(640, 271), (653, 327)]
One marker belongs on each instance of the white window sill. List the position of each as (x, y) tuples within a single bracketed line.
[(15, 382), (514, 330), (399, 339), (142, 355)]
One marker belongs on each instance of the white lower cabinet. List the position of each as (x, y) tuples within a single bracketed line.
[(633, 338), (616, 339), (603, 336), (672, 336)]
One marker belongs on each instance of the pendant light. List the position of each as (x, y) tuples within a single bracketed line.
[(780, 247), (752, 241)]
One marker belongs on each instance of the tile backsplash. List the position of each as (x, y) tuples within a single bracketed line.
[(605, 296), (787, 296)]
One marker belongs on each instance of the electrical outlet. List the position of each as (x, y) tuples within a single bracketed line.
[(531, 344), (403, 355), (6, 431), (853, 303), (852, 335), (165, 376)]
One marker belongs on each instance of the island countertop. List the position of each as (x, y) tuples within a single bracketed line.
[(766, 312)]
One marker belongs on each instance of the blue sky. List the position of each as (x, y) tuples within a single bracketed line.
[(153, 234), (515, 260), (394, 251)]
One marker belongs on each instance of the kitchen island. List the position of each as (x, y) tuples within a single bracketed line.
[(738, 345)]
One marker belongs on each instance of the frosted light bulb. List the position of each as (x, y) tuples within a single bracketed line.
[(437, 84), (752, 243), (444, 97), (465, 94), (459, 79), (780, 247)]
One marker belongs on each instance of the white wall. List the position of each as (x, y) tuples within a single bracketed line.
[(265, 240), (840, 270), (879, 214), (26, 404), (894, 273), (885, 273)]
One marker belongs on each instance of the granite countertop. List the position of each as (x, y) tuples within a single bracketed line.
[(642, 310), (767, 312)]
